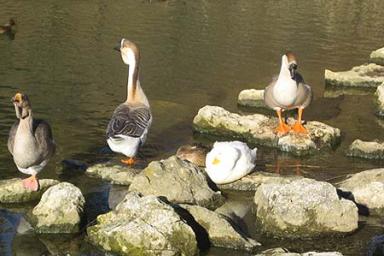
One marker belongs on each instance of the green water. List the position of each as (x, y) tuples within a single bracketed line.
[(194, 53)]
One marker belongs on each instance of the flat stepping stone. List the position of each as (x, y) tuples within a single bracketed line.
[(379, 100), (366, 149), (13, 191), (377, 56), (259, 129), (367, 76), (114, 173), (367, 189), (253, 180), (251, 98)]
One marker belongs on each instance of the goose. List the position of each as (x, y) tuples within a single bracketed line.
[(229, 161), (30, 142), (288, 91), (8, 26), (128, 128)]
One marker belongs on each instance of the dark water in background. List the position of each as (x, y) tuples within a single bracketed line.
[(194, 53)]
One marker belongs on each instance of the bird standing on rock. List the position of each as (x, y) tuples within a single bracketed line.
[(30, 141), (127, 130), (287, 92)]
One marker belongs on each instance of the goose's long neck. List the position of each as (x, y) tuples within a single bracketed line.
[(135, 92), (26, 124), (284, 74)]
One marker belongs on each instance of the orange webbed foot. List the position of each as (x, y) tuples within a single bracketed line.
[(282, 129), (129, 161), (31, 183), (299, 128)]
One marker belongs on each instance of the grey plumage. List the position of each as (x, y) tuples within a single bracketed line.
[(129, 120)]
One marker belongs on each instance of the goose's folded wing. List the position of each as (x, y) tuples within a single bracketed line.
[(129, 121)]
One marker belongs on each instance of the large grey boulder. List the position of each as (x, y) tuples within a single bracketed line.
[(13, 191), (143, 226), (259, 129), (179, 181), (60, 210), (377, 56), (285, 252), (366, 149), (251, 98), (379, 94), (304, 208), (115, 173), (221, 232), (367, 189), (367, 75), (253, 180)]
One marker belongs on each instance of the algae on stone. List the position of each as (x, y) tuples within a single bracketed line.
[(367, 189), (60, 210), (304, 208), (13, 191), (367, 75), (179, 181), (366, 149), (220, 231), (143, 226), (259, 129), (115, 173), (377, 56)]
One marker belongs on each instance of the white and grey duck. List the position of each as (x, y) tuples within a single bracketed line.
[(128, 128), (288, 91), (30, 142)]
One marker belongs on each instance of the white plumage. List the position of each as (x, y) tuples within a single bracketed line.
[(229, 161)]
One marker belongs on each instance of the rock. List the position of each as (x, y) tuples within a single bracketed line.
[(253, 180), (60, 210), (179, 181), (13, 191), (221, 232), (367, 189), (380, 99), (366, 149), (377, 56), (115, 173), (304, 208), (259, 129), (143, 226), (335, 92), (367, 75), (251, 98), (116, 194), (285, 252)]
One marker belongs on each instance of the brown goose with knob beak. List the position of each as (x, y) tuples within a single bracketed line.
[(128, 128), (287, 92), (30, 141)]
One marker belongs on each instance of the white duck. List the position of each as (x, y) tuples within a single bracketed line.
[(229, 161)]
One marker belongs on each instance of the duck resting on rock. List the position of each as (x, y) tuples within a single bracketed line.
[(229, 161), (30, 142), (287, 92), (127, 130)]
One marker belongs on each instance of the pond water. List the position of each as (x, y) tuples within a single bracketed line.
[(194, 53)]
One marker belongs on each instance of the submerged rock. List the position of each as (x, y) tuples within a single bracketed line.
[(221, 232), (304, 208), (259, 129), (60, 210), (13, 191), (377, 56), (143, 226), (179, 181), (367, 189), (115, 173), (285, 252), (253, 180), (366, 149), (251, 98), (380, 100), (367, 75)]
